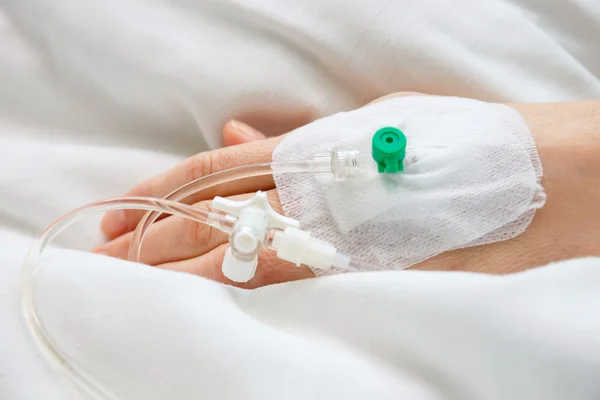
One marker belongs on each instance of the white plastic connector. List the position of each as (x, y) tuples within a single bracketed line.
[(254, 217), (299, 247), (238, 270), (260, 202), (342, 164)]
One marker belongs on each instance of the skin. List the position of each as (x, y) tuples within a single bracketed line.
[(568, 140)]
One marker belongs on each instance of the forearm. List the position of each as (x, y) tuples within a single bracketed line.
[(567, 136)]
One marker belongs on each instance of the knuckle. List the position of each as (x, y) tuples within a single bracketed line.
[(205, 164)]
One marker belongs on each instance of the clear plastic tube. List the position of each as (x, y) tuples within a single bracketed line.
[(352, 265), (342, 164), (218, 178), (32, 264)]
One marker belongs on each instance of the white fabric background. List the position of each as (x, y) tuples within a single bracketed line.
[(96, 96)]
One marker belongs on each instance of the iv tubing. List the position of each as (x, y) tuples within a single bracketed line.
[(32, 264), (155, 207), (207, 182), (320, 163)]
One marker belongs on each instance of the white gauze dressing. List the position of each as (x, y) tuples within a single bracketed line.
[(472, 175)]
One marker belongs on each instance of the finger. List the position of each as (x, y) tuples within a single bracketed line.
[(275, 121), (117, 223), (270, 269), (236, 132), (176, 238)]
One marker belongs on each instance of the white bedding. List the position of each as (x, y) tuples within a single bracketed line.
[(96, 96)]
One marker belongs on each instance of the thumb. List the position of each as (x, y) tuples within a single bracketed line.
[(236, 132)]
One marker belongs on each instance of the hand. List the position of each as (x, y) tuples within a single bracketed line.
[(183, 245), (565, 227)]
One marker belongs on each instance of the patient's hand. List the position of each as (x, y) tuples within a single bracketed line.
[(568, 140), (183, 245)]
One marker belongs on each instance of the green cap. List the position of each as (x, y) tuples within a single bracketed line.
[(388, 149)]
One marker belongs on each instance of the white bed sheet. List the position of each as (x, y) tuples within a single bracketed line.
[(97, 96)]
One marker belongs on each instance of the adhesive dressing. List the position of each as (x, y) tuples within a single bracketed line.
[(472, 175)]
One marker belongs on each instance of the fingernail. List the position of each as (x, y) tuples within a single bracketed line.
[(246, 129), (114, 223)]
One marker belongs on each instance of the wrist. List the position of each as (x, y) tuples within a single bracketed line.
[(567, 136)]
